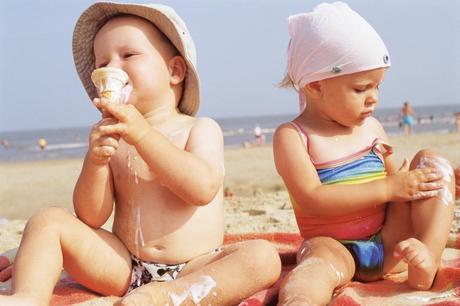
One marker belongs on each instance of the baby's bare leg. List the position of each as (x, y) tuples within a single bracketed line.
[(223, 278), (53, 239), (422, 244), (324, 264)]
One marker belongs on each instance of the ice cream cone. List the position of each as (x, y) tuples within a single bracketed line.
[(109, 83)]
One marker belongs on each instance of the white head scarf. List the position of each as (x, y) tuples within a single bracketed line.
[(330, 41)]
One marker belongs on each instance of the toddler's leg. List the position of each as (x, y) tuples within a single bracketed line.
[(54, 238), (323, 265), (429, 227), (223, 278)]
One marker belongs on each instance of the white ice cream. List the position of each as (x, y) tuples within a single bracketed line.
[(110, 83)]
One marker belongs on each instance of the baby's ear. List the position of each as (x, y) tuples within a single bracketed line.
[(177, 69), (313, 89)]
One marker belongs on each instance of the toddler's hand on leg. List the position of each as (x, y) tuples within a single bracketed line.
[(416, 184)]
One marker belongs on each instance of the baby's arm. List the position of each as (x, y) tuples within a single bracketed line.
[(194, 174), (93, 193), (295, 167)]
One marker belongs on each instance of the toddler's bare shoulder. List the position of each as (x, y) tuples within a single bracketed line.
[(205, 124), (374, 125), (205, 132)]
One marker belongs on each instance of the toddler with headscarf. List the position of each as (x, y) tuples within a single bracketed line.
[(360, 214)]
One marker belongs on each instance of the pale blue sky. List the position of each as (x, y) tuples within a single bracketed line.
[(241, 46)]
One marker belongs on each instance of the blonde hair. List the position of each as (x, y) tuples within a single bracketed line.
[(286, 82)]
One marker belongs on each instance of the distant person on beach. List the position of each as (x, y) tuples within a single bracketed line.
[(42, 143), (361, 215), (407, 118), (259, 137), (161, 167)]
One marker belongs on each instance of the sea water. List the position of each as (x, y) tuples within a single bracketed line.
[(73, 142)]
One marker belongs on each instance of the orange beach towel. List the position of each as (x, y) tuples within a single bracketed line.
[(393, 291)]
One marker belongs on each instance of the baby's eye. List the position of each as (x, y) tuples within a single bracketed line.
[(129, 54), (101, 65), (360, 90)]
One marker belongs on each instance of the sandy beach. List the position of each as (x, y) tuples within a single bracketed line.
[(259, 203)]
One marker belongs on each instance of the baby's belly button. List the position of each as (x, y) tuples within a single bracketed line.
[(153, 246), (156, 247)]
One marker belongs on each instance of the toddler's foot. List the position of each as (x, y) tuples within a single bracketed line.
[(421, 263)]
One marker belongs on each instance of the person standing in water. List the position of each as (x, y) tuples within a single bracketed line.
[(42, 143), (259, 137), (407, 118)]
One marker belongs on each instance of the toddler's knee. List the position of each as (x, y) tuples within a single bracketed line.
[(48, 217), (326, 245), (424, 155), (314, 243), (429, 158), (264, 258), (329, 250)]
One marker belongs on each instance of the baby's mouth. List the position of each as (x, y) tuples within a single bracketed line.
[(367, 113)]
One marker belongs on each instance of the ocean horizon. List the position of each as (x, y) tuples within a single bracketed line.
[(71, 142)]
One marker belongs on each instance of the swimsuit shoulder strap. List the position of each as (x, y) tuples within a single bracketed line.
[(380, 147), (302, 133)]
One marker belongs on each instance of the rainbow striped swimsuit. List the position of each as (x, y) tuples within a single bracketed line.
[(358, 232)]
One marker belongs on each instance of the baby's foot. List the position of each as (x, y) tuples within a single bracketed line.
[(421, 263)]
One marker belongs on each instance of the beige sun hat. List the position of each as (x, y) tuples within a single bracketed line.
[(163, 17)]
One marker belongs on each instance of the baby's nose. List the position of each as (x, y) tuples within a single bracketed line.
[(373, 97), (114, 64)]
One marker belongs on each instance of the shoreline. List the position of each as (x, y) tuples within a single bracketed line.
[(16, 154)]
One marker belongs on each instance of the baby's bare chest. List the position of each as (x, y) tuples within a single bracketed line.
[(128, 167)]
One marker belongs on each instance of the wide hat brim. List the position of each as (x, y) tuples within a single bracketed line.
[(163, 17)]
